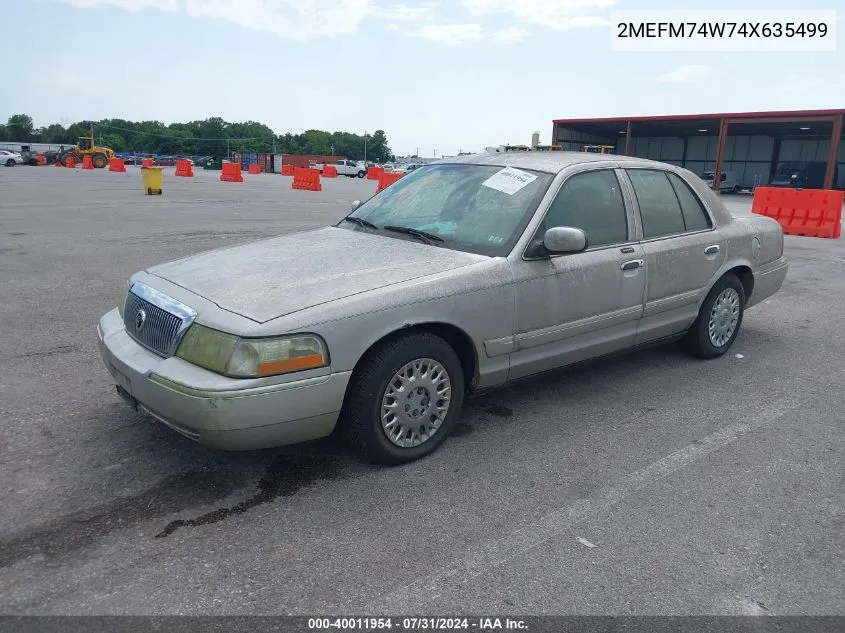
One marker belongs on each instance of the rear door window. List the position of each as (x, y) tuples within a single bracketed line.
[(695, 216), (659, 206)]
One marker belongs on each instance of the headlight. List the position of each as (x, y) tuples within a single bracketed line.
[(122, 294), (251, 358)]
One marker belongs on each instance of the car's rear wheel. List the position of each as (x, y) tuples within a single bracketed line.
[(719, 319), (10, 162), (404, 398)]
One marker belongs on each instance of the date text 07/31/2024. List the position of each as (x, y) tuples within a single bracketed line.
[(417, 624)]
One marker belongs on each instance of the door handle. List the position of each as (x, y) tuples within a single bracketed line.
[(631, 265), (711, 250)]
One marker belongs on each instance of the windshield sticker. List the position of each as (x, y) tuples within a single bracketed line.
[(509, 180)]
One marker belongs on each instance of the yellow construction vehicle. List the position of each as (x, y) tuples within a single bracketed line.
[(100, 156), (599, 149)]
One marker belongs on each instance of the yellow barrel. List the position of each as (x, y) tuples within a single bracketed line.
[(151, 177)]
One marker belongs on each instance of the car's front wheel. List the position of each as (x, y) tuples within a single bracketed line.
[(404, 398), (361, 174), (719, 320)]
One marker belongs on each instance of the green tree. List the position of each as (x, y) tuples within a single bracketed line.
[(114, 141), (20, 128), (212, 136), (54, 133), (377, 148)]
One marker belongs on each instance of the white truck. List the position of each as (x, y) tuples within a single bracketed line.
[(345, 168)]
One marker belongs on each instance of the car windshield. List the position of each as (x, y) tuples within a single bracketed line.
[(475, 208), (787, 171)]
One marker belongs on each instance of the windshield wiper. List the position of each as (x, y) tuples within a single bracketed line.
[(360, 221), (423, 235)]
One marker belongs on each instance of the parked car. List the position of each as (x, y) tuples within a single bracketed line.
[(10, 159), (729, 182), (460, 277), (801, 174), (350, 168)]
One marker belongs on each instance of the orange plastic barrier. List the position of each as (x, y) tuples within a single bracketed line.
[(183, 168), (70, 161), (231, 173), (255, 168), (117, 164), (306, 178), (87, 163), (329, 171), (146, 162), (807, 212), (387, 178), (41, 159), (287, 169), (373, 172)]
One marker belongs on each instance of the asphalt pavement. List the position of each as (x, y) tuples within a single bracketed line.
[(648, 484)]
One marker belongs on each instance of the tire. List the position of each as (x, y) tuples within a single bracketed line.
[(736, 189), (361, 174), (11, 162), (725, 307), (370, 390), (99, 161)]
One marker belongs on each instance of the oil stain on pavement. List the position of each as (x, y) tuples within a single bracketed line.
[(499, 411), (285, 476), (86, 526)]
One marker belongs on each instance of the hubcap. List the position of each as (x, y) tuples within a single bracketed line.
[(724, 315), (416, 402)]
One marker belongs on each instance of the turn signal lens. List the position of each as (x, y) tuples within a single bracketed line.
[(232, 356), (253, 358)]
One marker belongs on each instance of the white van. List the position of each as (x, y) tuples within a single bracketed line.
[(728, 183)]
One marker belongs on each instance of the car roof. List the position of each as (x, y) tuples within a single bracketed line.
[(551, 162)]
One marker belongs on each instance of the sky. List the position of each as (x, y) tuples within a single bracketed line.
[(437, 77)]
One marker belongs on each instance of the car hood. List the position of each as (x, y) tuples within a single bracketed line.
[(272, 278)]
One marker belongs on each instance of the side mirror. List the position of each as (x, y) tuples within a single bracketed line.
[(564, 239), (355, 205)]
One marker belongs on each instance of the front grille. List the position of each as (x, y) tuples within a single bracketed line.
[(160, 329)]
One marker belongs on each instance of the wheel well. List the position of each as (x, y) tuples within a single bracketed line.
[(453, 335), (746, 277)]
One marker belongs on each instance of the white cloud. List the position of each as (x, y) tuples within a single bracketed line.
[(128, 5), (448, 34), (302, 20), (458, 34), (405, 13), (556, 14), (689, 74), (292, 19), (509, 35), (298, 20)]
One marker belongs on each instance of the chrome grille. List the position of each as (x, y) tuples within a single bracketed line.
[(154, 320)]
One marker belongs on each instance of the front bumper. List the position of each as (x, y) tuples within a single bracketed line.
[(221, 412)]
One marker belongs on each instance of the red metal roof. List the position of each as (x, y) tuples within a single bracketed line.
[(798, 114)]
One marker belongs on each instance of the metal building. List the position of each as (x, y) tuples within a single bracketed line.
[(749, 144)]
